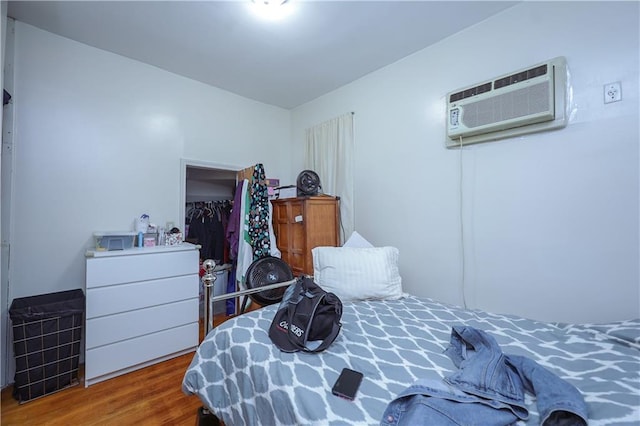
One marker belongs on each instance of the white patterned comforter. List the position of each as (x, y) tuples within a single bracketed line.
[(245, 380)]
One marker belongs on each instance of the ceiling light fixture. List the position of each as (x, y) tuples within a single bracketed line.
[(272, 10), (270, 2)]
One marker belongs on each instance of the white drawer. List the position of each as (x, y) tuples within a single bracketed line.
[(114, 328), (105, 271), (127, 297), (128, 353)]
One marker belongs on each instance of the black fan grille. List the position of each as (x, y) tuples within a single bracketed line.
[(265, 271), (308, 183)]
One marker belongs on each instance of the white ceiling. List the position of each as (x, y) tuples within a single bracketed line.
[(321, 46)]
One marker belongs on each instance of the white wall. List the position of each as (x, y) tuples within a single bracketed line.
[(3, 297), (99, 140), (550, 220)]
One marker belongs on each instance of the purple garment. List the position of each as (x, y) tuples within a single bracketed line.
[(231, 287), (234, 225)]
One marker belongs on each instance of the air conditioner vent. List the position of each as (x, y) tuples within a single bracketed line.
[(521, 76), (507, 106), (525, 101), (470, 92)]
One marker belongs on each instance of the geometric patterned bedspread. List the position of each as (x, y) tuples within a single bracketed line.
[(245, 380)]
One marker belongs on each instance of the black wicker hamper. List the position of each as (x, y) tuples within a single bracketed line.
[(46, 341)]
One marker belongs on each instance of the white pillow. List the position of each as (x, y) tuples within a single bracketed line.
[(358, 273), (357, 241)]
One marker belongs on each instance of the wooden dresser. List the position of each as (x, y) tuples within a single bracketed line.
[(302, 223)]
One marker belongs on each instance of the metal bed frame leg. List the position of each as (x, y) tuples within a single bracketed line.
[(206, 418), (208, 282)]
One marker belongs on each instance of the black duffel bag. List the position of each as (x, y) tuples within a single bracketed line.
[(307, 313)]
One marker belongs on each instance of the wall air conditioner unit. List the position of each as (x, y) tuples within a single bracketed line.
[(525, 101)]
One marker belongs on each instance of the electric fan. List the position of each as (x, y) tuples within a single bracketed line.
[(265, 271), (308, 183)]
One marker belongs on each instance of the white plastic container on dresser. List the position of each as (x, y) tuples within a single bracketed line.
[(142, 308)]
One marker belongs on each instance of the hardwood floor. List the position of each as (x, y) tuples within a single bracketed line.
[(150, 396)]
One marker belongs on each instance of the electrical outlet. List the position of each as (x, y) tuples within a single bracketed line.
[(612, 92)]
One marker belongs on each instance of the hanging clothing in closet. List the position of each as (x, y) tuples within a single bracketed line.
[(207, 222), (250, 232), (234, 228), (259, 218), (245, 251), (233, 235)]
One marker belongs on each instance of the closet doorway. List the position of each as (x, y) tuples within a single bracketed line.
[(207, 191), (202, 182)]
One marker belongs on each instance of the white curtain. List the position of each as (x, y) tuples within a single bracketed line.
[(330, 153)]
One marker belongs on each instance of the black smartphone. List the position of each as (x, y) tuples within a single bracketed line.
[(347, 384)]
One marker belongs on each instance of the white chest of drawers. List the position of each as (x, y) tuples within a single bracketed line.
[(141, 308)]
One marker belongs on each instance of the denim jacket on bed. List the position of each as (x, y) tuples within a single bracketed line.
[(487, 389)]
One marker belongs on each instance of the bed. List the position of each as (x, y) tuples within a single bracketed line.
[(394, 341), (245, 380)]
